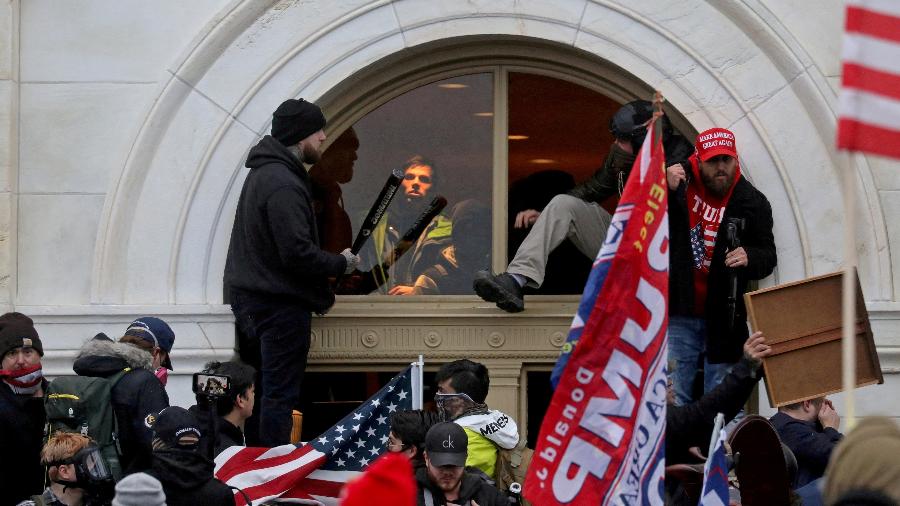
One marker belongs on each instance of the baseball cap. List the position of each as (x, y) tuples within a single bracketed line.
[(447, 445), (154, 331), (176, 427), (714, 142)]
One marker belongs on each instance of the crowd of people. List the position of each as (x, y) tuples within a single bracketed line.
[(107, 435)]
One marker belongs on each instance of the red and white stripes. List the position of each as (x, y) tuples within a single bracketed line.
[(869, 113)]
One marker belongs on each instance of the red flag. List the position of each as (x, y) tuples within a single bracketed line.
[(869, 114), (602, 438)]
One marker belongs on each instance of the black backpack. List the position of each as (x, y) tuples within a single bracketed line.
[(83, 404)]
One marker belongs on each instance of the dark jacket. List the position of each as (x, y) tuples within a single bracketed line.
[(228, 434), (187, 479), (473, 487), (610, 179), (723, 340), (811, 443), (274, 251), (137, 394), (22, 421), (692, 424)]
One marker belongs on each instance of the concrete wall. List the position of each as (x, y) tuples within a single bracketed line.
[(124, 124)]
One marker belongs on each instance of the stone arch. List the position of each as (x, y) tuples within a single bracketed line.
[(169, 210)]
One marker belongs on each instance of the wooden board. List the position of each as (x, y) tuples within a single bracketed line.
[(802, 322)]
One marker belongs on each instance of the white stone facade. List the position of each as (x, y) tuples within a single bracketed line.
[(124, 126)]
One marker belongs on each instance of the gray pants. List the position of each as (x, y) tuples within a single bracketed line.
[(565, 217)]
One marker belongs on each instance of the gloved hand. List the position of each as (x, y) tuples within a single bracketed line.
[(352, 261)]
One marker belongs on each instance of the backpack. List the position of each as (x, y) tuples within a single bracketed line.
[(83, 404), (512, 465)]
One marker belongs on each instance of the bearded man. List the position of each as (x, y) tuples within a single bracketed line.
[(707, 191), (276, 272)]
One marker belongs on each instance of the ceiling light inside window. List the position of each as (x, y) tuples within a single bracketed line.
[(517, 137), (453, 86), (484, 114), (542, 161)]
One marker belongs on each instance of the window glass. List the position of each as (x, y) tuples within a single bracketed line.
[(558, 137), (440, 135)]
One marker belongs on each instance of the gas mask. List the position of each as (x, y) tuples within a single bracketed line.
[(92, 475), (25, 381)]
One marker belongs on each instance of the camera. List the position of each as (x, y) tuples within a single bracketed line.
[(211, 385)]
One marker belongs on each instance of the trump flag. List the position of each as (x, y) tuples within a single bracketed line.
[(602, 438)]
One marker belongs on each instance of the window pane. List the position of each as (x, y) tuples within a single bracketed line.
[(558, 137), (441, 135)]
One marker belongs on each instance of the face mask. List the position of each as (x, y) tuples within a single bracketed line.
[(162, 374), (449, 406), (24, 381)]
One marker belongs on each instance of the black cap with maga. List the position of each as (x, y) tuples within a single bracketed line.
[(446, 445)]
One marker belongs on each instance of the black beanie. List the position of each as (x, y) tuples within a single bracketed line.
[(17, 330), (295, 120)]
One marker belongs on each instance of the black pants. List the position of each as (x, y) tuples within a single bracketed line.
[(282, 331)]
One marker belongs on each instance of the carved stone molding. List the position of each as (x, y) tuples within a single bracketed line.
[(433, 339), (496, 339), (369, 339)]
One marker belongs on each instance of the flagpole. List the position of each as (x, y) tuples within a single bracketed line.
[(418, 382), (848, 291)]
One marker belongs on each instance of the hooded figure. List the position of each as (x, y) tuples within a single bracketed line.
[(135, 398), (186, 474)]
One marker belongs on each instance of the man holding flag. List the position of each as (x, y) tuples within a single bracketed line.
[(601, 441)]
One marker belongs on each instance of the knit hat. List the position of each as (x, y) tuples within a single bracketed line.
[(156, 332), (865, 459), (295, 120), (389, 480), (714, 142), (17, 330), (139, 489)]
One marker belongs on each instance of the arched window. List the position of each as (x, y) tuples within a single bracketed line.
[(493, 140)]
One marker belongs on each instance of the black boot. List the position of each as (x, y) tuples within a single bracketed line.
[(499, 288)]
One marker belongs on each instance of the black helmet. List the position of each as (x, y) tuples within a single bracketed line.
[(628, 123)]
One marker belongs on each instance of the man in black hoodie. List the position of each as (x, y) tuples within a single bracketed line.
[(186, 475), (276, 273)]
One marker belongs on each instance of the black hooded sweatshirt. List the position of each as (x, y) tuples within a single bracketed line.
[(187, 479), (274, 252), (137, 394)]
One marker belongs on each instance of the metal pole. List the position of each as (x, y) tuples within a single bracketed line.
[(849, 290)]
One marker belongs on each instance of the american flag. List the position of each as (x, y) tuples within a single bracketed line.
[(870, 89), (715, 475), (702, 247), (314, 472)]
